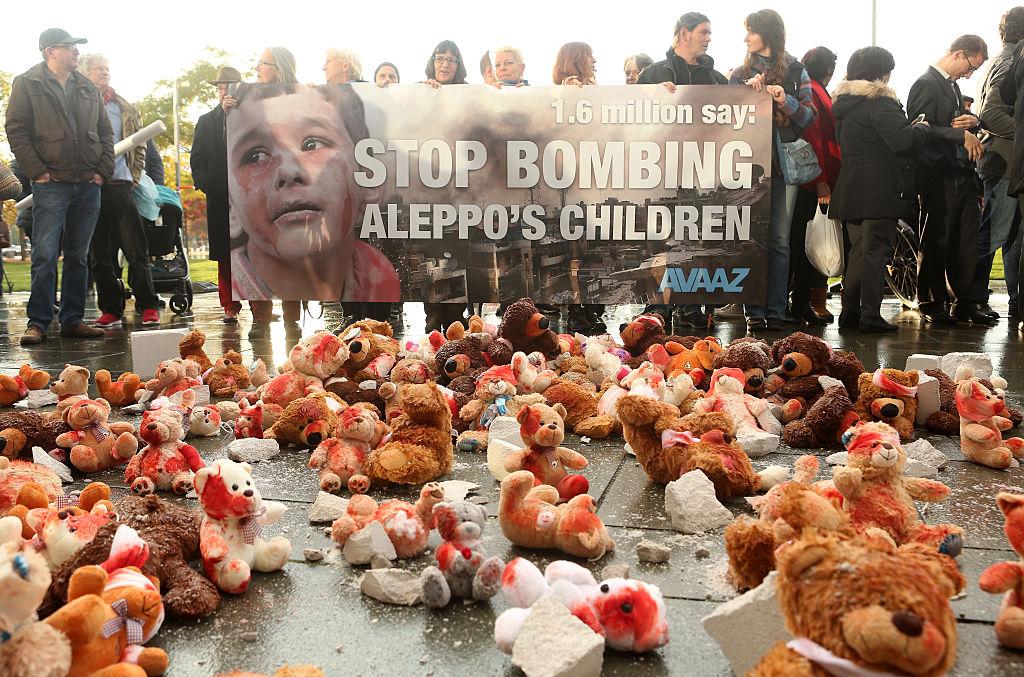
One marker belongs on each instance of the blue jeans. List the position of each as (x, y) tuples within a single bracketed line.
[(63, 215), (1000, 229), (783, 203)]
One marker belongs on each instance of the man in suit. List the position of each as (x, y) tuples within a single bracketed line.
[(948, 187)]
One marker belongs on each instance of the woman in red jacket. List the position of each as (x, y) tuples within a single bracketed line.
[(807, 284)]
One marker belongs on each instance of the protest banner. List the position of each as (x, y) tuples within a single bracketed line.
[(564, 194)]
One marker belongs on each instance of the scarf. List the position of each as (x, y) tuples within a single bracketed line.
[(108, 95)]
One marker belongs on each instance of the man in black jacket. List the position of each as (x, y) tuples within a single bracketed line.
[(948, 188), (686, 63), (209, 161)]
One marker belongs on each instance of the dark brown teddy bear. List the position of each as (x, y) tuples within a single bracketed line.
[(825, 422), (22, 430), (846, 367), (172, 532), (801, 359), (647, 330), (526, 329), (946, 421), (752, 358), (351, 392), (469, 356)]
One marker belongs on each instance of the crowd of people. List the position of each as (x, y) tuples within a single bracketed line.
[(954, 175)]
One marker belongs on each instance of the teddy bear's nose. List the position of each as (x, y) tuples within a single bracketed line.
[(151, 426), (755, 381), (315, 438), (890, 410), (355, 347), (622, 327), (789, 364), (553, 426), (247, 492), (909, 623)]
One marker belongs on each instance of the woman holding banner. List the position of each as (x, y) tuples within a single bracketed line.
[(769, 68)]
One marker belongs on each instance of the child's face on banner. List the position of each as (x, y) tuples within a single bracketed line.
[(292, 177)]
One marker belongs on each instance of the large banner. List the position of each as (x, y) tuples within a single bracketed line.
[(617, 194)]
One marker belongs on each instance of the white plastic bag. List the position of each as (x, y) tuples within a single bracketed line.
[(824, 244)]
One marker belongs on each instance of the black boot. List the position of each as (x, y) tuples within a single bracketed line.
[(803, 310)]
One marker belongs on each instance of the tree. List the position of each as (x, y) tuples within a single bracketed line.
[(5, 95)]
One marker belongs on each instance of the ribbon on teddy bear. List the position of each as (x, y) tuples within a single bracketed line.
[(132, 626), (829, 662), (671, 438), (892, 387), (250, 526), (98, 430)]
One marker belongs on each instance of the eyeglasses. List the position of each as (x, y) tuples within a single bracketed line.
[(439, 58), (971, 65), (71, 47)]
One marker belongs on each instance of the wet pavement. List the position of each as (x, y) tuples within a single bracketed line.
[(314, 612)]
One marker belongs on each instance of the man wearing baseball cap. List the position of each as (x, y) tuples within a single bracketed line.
[(209, 161), (61, 136)]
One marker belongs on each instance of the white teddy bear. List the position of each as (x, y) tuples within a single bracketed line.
[(229, 537), (531, 372), (751, 414)]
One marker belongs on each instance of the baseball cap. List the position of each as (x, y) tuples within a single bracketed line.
[(57, 36)]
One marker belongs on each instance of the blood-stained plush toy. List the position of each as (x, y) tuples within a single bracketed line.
[(1008, 577), (228, 375), (981, 426), (190, 347), (642, 332), (752, 357), (371, 357), (254, 419), (542, 429), (308, 420), (824, 423), (72, 385), (119, 393), (310, 363), (728, 393), (15, 388), (408, 370), (93, 499), (60, 533), (173, 376), (604, 366), (527, 330), (16, 474), (876, 493), (95, 443), (165, 463), (230, 535), (341, 456), (462, 570), (531, 372), (629, 614), (420, 447), (494, 388), (205, 421), (22, 430), (801, 359), (407, 525), (889, 396), (529, 517), (584, 412)]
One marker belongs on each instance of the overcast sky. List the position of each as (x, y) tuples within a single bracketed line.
[(157, 46)]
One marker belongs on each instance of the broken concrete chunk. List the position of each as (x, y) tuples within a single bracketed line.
[(981, 363), (40, 456), (313, 555), (629, 449), (615, 571), (691, 504), (497, 450), (652, 553), (37, 399), (457, 490), (391, 586), (369, 541), (327, 508), (505, 428), (253, 450), (923, 362), (554, 643), (925, 451), (380, 562), (748, 626), (928, 401), (702, 553), (758, 443), (916, 468)]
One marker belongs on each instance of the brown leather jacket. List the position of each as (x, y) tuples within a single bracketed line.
[(42, 137)]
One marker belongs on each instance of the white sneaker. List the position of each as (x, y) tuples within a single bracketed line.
[(733, 310)]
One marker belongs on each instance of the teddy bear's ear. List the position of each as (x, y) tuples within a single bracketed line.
[(87, 580), (82, 371), (103, 403), (246, 467), (1008, 502), (523, 412), (801, 556), (560, 410), (200, 479)]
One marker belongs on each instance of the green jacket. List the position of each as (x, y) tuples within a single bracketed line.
[(44, 138)]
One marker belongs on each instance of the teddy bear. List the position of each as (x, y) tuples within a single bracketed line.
[(22, 430), (801, 359), (107, 618), (604, 365), (371, 355), (1008, 577), (15, 388), (629, 614), (494, 388), (72, 385), (190, 347), (119, 393), (752, 358), (981, 426), (890, 396), (341, 456), (859, 606), (172, 376), (583, 411), (876, 493), (728, 393), (408, 526), (531, 372), (542, 429), (93, 499), (171, 533), (826, 420), (945, 421), (379, 327), (60, 533), (420, 447), (310, 363), (229, 537), (462, 570), (367, 392), (407, 370), (468, 356), (205, 421), (307, 421), (165, 463), (228, 375), (529, 516), (15, 474), (644, 331), (29, 648), (668, 445), (845, 366), (95, 443), (526, 329)]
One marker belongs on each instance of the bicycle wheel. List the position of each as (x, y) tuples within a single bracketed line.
[(901, 272)]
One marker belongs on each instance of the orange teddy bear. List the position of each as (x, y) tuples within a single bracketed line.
[(542, 429), (119, 393), (14, 388)]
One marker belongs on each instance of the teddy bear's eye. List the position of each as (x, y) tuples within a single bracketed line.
[(626, 607), (247, 483), (604, 587), (234, 487), (72, 529)]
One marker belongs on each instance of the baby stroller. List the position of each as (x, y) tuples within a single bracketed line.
[(168, 261)]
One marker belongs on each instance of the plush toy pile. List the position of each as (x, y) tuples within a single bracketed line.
[(863, 582)]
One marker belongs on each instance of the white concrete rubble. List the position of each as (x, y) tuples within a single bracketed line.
[(327, 508), (253, 450), (369, 541), (748, 626), (923, 361), (925, 451), (554, 643), (40, 456), (37, 399), (153, 346), (928, 401), (392, 586), (505, 428), (457, 490), (497, 450), (692, 506), (758, 443), (981, 363), (652, 553), (916, 468)]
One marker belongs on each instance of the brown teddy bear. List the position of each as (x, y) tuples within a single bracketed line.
[(847, 367), (644, 331), (379, 327), (823, 426), (96, 444), (862, 605), (366, 392), (190, 347), (119, 393), (72, 385), (526, 329), (371, 355), (173, 376), (307, 421), (22, 430), (945, 421), (752, 358), (420, 448), (668, 445), (468, 356), (582, 409), (542, 429), (228, 375), (15, 388), (890, 396), (495, 388), (801, 359), (172, 533)]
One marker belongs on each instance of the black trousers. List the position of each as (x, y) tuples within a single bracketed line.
[(950, 218), (803, 275), (119, 227), (872, 242)]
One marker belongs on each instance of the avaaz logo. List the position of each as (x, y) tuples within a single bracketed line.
[(682, 281)]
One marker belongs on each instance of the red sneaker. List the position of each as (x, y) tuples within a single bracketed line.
[(150, 317), (108, 320)]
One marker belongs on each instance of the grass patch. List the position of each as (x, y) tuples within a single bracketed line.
[(18, 272)]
